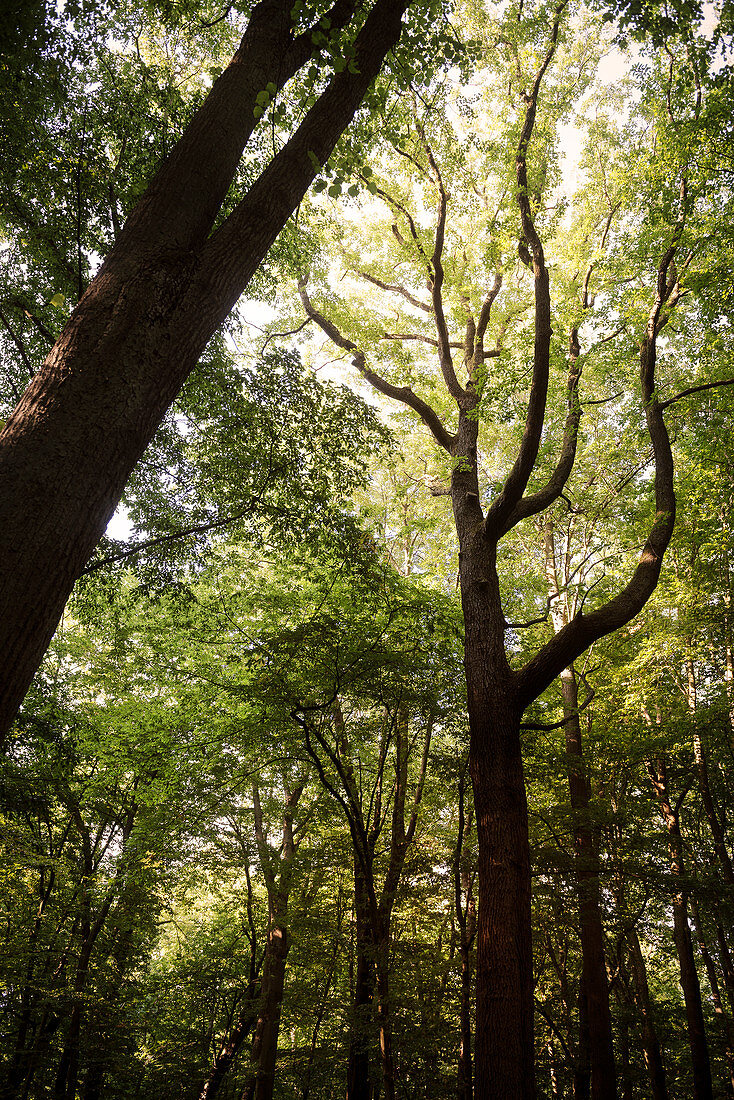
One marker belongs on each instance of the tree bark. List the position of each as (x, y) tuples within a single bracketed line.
[(70, 445), (650, 1042), (701, 1067), (359, 1085), (265, 1044), (601, 1049)]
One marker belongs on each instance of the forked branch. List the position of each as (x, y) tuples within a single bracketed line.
[(404, 394), (585, 629), (517, 479)]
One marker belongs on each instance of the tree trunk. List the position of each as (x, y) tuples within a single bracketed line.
[(504, 1062), (265, 1044), (650, 1043), (464, 1076), (88, 414), (359, 1085), (245, 1022), (601, 1050), (702, 1087), (721, 1015), (384, 1020), (582, 1067)]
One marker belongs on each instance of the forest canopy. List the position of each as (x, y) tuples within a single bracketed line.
[(384, 745)]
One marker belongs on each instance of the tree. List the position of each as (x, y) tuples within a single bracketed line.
[(499, 687), (168, 283)]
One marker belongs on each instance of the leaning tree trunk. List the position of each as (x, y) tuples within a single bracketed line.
[(650, 1042), (168, 284)]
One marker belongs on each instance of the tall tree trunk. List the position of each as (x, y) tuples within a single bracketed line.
[(359, 1085), (624, 1044), (721, 1014), (88, 414), (601, 1049), (582, 1067), (702, 773), (265, 1044), (504, 1054), (586, 864), (384, 1019), (244, 1024), (701, 1066), (650, 1042)]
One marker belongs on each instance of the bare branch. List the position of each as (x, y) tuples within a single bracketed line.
[(396, 290), (517, 479), (281, 335), (398, 393), (533, 622), (696, 389), (416, 336)]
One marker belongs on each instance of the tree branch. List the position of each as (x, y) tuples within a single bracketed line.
[(396, 290), (503, 505), (695, 389), (398, 393), (584, 629)]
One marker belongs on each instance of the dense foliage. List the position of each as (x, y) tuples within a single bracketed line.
[(239, 849)]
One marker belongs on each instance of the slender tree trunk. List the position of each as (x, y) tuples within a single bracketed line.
[(246, 1020), (582, 1067), (702, 1086), (594, 971), (727, 963), (624, 1044), (466, 919), (650, 1042), (601, 1050), (721, 1014), (384, 1020), (702, 772), (464, 1076), (359, 1085)]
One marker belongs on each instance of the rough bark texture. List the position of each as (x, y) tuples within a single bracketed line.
[(68, 448)]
